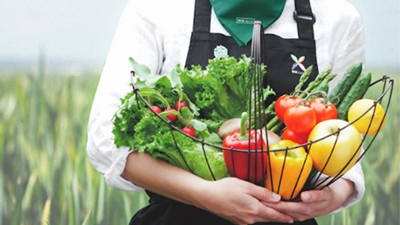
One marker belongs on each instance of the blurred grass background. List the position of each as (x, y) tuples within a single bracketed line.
[(46, 177)]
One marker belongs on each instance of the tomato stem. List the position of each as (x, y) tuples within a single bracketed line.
[(298, 93), (319, 93)]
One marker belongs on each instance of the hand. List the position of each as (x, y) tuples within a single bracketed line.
[(316, 203), (233, 199), (240, 202)]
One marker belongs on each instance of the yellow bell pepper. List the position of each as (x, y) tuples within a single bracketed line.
[(288, 169)]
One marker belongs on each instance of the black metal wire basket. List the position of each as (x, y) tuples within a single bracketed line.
[(258, 162)]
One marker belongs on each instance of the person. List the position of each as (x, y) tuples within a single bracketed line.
[(163, 34)]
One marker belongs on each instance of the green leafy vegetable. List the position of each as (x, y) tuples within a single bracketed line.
[(139, 129), (218, 93)]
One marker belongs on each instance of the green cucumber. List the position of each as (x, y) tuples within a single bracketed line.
[(345, 83), (356, 92)]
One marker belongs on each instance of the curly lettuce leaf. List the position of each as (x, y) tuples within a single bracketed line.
[(125, 119), (222, 91), (157, 138)]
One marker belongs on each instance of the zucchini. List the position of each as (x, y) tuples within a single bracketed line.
[(357, 91), (345, 83)]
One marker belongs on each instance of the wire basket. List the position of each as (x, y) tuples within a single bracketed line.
[(258, 163)]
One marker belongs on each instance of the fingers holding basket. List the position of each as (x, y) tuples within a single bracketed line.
[(316, 203), (241, 202), (263, 194)]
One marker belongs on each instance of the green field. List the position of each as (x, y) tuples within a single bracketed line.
[(46, 177)]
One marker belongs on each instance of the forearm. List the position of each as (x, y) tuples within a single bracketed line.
[(342, 189), (163, 178), (356, 177), (233, 199)]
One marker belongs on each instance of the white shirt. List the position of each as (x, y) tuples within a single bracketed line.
[(156, 33)]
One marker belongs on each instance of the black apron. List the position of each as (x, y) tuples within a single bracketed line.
[(282, 75)]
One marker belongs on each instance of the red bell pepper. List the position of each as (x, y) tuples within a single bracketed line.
[(246, 157)]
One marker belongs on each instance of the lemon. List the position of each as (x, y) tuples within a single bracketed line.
[(370, 123)]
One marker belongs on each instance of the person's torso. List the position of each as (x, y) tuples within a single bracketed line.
[(282, 52)]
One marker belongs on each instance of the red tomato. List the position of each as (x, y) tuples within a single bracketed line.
[(171, 116), (283, 103), (300, 118), (189, 131), (180, 104), (323, 111), (299, 138)]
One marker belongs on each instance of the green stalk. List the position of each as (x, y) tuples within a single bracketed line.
[(272, 122), (303, 79), (320, 77), (243, 120), (277, 128)]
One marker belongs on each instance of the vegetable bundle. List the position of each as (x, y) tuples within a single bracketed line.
[(211, 96)]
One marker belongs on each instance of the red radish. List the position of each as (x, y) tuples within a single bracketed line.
[(156, 109), (180, 104), (171, 116), (189, 131)]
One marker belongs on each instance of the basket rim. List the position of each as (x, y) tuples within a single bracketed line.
[(383, 79)]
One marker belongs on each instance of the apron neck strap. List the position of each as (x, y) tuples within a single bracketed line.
[(202, 16), (305, 19)]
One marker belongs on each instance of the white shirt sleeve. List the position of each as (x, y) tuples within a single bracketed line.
[(135, 37), (347, 44), (355, 175)]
